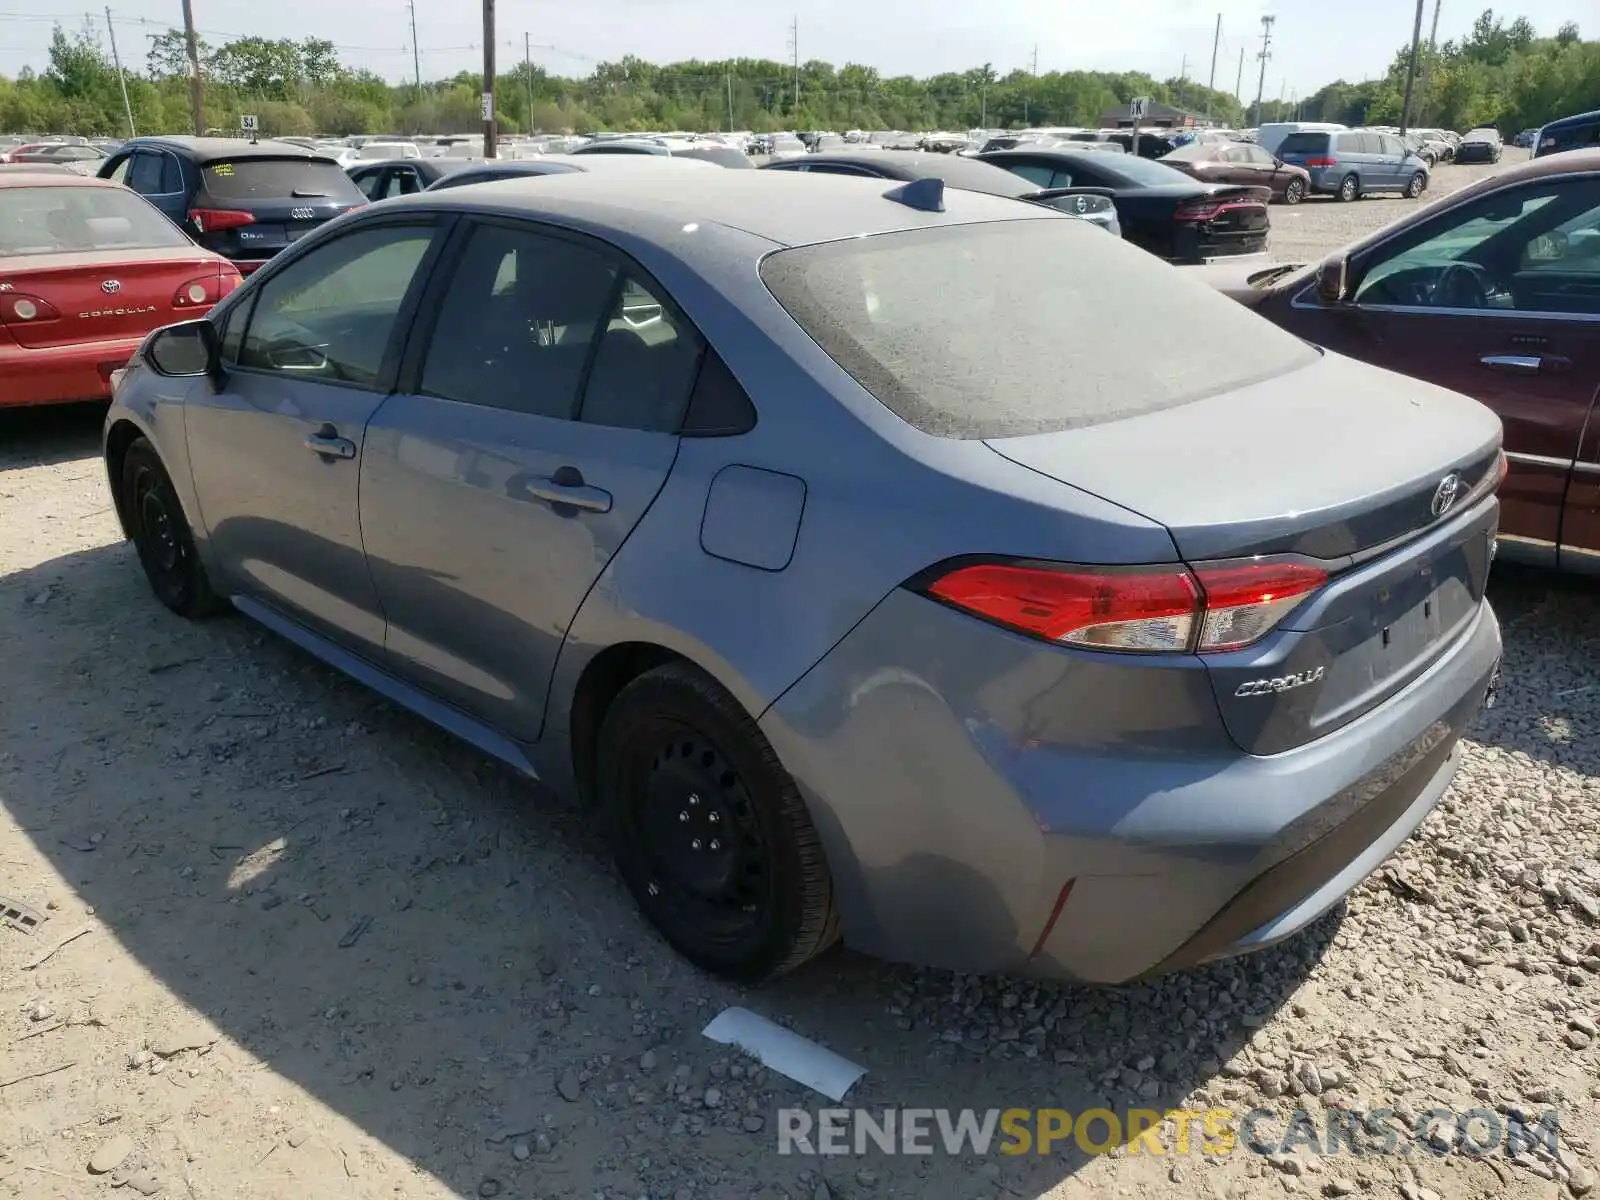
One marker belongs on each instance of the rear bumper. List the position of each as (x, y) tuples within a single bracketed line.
[(961, 777), (61, 374)]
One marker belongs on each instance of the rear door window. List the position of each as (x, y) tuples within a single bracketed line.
[(247, 179), (144, 173), (1303, 143), (644, 366), (1037, 174), (517, 322)]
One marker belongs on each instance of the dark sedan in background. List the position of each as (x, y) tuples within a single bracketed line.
[(1480, 145), (1162, 210), (1241, 162), (1093, 205), (1491, 291)]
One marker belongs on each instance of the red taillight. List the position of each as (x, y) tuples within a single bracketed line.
[(214, 220), (1151, 608), (1322, 162), (1196, 210), (1243, 602), (1145, 609), (202, 292), (17, 308)]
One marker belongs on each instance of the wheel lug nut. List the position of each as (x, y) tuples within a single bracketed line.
[(694, 799), (716, 845), (713, 817), (683, 816), (653, 889), (695, 845)]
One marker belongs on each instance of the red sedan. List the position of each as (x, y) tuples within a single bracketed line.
[(87, 268)]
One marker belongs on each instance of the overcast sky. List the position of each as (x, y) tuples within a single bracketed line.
[(1314, 41)]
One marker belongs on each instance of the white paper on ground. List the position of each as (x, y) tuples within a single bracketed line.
[(787, 1053)]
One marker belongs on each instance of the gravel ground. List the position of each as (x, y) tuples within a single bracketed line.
[(1321, 225), (299, 945)]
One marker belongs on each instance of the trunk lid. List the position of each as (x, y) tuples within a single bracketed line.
[(1339, 462), (104, 295)]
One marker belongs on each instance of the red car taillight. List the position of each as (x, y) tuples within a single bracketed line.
[(206, 290), (214, 220), (1321, 162), (16, 308), (1157, 609), (1196, 210)]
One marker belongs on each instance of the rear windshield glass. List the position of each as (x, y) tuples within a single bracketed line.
[(1143, 171), (58, 220), (1303, 143), (1019, 327), (278, 179), (723, 156)]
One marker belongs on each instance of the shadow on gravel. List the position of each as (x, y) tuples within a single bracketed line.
[(1549, 706), (381, 916), (54, 433)]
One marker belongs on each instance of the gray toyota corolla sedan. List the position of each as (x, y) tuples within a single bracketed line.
[(848, 548)]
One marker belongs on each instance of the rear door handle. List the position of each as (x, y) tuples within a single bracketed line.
[(327, 442), (566, 488), (1525, 364)]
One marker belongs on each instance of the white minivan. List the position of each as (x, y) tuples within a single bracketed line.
[(1270, 136)]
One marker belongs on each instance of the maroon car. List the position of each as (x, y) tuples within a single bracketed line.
[(1494, 291), (1241, 162)]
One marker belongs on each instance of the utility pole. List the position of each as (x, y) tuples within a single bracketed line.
[(488, 79), (794, 45), (1265, 54), (1216, 44), (416, 53), (1238, 83), (1411, 68), (527, 69), (191, 45), (1036, 59), (121, 77), (1427, 65), (730, 101)]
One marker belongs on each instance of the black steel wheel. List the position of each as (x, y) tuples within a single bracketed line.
[(708, 829), (161, 535)]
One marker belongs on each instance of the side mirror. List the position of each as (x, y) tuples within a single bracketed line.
[(184, 351), (1333, 279)]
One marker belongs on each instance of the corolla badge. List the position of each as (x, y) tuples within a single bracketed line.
[(1282, 683), (111, 287), (1446, 494)]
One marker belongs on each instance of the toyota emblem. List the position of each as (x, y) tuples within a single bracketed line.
[(1446, 494), (111, 287)]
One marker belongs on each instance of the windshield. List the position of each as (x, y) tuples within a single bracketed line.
[(1005, 328), (278, 179), (61, 220), (1144, 172)]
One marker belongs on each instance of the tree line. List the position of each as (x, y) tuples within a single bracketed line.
[(1500, 74)]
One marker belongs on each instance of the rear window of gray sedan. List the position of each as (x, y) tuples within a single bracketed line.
[(1018, 327)]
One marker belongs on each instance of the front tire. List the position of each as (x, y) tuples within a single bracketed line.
[(1349, 189), (709, 831), (1294, 191), (1415, 184), (162, 536)]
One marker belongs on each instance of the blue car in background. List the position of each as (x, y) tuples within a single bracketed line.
[(1353, 163)]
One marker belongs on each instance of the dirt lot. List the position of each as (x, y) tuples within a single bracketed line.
[(300, 945)]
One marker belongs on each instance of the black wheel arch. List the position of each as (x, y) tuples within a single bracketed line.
[(118, 438)]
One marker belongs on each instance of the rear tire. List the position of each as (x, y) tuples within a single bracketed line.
[(1349, 189), (709, 831), (1415, 184), (1294, 191), (162, 537)]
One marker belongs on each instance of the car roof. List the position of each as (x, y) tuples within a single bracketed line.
[(48, 178), (762, 203), (1575, 119), (956, 171), (219, 147)]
